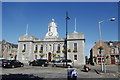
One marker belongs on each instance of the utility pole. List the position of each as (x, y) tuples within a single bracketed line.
[(103, 68)]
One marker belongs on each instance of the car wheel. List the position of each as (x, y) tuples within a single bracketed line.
[(13, 66), (22, 65), (55, 65), (52, 65), (69, 66), (43, 65), (31, 64)]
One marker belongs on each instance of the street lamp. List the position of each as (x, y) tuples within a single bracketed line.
[(67, 18), (100, 39)]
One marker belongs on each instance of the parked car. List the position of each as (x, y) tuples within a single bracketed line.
[(1, 61), (39, 62), (12, 63), (62, 63)]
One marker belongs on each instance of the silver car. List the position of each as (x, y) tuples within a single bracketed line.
[(62, 63)]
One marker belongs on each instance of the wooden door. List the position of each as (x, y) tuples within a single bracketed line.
[(49, 57)]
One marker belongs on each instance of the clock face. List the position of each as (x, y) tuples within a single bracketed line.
[(50, 34)]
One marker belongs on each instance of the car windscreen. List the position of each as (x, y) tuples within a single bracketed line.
[(67, 61), (7, 61), (41, 60)]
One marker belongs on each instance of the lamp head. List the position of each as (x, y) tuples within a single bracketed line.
[(67, 18), (112, 19)]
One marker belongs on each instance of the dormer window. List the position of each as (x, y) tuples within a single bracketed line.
[(111, 44)]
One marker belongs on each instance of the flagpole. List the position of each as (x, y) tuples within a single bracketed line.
[(27, 29)]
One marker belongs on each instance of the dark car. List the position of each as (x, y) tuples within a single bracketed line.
[(1, 61), (12, 63), (39, 62)]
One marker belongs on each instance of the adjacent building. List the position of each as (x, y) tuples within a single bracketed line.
[(110, 52), (8, 50), (52, 47)]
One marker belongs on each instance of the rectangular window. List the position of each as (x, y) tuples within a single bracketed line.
[(75, 57), (113, 51), (75, 46)]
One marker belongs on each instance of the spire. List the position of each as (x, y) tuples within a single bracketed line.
[(27, 29), (75, 25)]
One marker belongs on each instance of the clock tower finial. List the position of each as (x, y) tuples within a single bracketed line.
[(52, 20), (52, 30)]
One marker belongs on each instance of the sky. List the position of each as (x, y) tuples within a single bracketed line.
[(16, 15)]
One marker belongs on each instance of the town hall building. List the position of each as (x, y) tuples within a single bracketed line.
[(52, 47)]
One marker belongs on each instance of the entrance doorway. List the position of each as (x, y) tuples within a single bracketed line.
[(49, 56), (112, 60)]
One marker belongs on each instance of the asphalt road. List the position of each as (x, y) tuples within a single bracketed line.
[(42, 73)]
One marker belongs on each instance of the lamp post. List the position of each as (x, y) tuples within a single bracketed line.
[(67, 18), (100, 39)]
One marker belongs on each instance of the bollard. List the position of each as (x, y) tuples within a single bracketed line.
[(71, 74)]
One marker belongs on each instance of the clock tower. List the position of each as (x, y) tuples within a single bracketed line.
[(52, 30)]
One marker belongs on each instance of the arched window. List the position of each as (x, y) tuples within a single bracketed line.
[(41, 47), (58, 47), (36, 48), (24, 48), (50, 47)]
